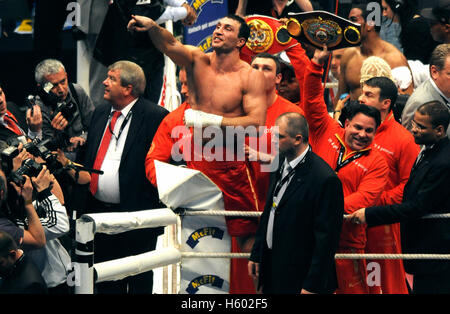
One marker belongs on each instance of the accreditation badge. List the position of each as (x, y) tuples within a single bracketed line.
[(321, 27)]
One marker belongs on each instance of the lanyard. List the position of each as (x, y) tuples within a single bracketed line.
[(124, 124), (341, 163), (283, 181)]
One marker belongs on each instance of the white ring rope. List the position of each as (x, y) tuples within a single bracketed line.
[(337, 256), (221, 213), (431, 216), (257, 214)]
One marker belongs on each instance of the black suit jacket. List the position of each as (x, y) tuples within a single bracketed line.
[(136, 192), (426, 192), (5, 133), (25, 279), (306, 231)]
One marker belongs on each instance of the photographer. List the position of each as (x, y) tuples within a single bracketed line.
[(53, 259), (13, 123), (20, 153), (18, 273), (34, 236), (65, 106)]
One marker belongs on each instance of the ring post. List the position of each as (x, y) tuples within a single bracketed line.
[(84, 254)]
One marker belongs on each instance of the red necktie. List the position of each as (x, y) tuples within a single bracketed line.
[(102, 152), (11, 125)]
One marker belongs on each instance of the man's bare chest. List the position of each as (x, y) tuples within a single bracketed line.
[(221, 93)]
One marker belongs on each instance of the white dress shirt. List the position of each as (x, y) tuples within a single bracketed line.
[(277, 198), (108, 183)]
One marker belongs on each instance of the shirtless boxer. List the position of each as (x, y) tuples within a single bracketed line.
[(371, 45), (226, 90), (223, 91)]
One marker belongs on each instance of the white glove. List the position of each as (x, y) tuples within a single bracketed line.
[(201, 119)]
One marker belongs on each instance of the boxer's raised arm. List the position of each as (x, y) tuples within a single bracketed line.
[(164, 41)]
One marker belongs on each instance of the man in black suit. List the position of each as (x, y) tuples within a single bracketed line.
[(426, 192), (300, 227), (118, 140)]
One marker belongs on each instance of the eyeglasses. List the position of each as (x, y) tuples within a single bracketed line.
[(420, 127)]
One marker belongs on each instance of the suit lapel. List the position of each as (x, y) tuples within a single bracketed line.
[(136, 123), (296, 181), (419, 171)]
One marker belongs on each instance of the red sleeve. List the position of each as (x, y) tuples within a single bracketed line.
[(404, 164), (160, 149), (299, 61), (370, 188), (314, 105)]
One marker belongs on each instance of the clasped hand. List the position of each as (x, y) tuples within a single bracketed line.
[(358, 217)]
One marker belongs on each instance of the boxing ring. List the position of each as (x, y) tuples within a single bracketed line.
[(193, 235)]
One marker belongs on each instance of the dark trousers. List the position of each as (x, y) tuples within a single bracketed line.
[(266, 278), (109, 247), (437, 283), (61, 289)]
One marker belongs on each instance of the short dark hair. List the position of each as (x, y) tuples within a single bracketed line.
[(244, 29), (438, 112), (365, 110), (439, 55), (296, 124), (387, 87), (266, 55), (7, 243)]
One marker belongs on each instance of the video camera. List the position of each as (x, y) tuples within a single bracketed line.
[(38, 148)]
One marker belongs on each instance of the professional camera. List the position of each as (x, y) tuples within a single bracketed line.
[(67, 107), (11, 152), (44, 150), (29, 167), (38, 148)]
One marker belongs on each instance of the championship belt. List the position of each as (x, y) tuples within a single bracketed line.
[(321, 27), (267, 34)]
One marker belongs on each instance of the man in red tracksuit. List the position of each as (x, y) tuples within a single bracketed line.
[(173, 140), (361, 169), (398, 148), (271, 68)]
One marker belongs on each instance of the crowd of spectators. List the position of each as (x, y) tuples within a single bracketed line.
[(65, 153)]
